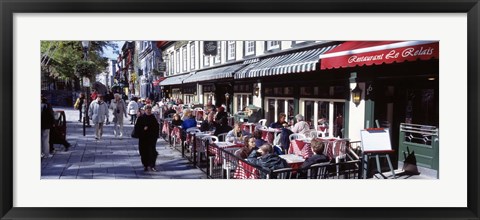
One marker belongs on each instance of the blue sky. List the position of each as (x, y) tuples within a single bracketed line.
[(112, 54)]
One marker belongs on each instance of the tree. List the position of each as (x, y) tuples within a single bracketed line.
[(65, 59)]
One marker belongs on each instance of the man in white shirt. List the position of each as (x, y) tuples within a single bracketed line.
[(98, 111)]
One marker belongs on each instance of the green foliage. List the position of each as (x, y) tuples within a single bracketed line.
[(65, 59)]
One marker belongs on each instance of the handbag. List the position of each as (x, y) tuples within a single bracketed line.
[(134, 133)]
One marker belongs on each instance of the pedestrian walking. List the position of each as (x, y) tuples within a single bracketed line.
[(97, 111), (147, 130), (47, 123), (132, 110), (79, 105), (119, 109), (108, 99)]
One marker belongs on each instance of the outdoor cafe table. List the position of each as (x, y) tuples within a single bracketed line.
[(294, 161), (199, 145), (223, 145), (269, 134), (200, 139)]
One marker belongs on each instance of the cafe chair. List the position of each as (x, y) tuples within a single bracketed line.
[(297, 137), (263, 122), (284, 173), (209, 139), (318, 171), (222, 136), (339, 152), (190, 131)]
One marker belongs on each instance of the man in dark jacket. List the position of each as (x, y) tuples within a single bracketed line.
[(47, 122), (223, 127), (318, 157), (169, 111), (267, 160)]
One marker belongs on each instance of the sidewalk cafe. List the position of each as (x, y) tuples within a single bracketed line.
[(340, 88)]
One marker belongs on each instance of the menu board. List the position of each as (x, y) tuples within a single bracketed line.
[(377, 139)]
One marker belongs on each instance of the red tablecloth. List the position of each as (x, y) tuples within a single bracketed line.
[(248, 127), (245, 171), (166, 128), (269, 134), (333, 147), (176, 132), (300, 148)]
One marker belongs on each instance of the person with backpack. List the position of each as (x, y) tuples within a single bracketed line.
[(79, 105), (47, 123)]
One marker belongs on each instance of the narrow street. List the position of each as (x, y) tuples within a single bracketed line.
[(110, 157)]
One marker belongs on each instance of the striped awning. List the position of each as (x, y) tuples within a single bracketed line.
[(298, 62), (175, 80), (215, 73)]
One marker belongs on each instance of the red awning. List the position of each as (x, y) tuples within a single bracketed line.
[(156, 82), (361, 53)]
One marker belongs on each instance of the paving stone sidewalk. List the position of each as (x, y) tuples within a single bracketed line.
[(110, 157)]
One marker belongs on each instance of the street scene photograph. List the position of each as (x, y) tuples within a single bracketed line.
[(237, 109)]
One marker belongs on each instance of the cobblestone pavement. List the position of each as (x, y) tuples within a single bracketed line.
[(110, 157)]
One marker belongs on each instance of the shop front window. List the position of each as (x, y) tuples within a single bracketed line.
[(242, 101), (275, 106), (324, 115)]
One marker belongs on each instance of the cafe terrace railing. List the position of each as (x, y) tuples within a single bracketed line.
[(223, 164)]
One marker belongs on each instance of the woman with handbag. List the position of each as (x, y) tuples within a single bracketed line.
[(146, 130)]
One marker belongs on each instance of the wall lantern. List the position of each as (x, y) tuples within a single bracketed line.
[(356, 95), (256, 90)]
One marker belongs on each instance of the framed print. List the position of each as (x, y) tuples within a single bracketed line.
[(433, 41)]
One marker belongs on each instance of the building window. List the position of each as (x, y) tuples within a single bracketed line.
[(242, 101), (249, 48), (231, 50), (276, 105), (272, 45), (192, 55), (170, 59), (177, 62), (324, 115), (218, 57), (184, 58), (206, 60)]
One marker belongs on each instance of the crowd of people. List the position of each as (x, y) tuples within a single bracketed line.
[(145, 115)]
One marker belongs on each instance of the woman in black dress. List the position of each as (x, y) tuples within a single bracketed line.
[(147, 129)]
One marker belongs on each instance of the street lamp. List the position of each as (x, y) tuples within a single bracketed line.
[(227, 96), (86, 121)]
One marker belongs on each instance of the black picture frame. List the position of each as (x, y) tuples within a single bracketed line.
[(10, 7)]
